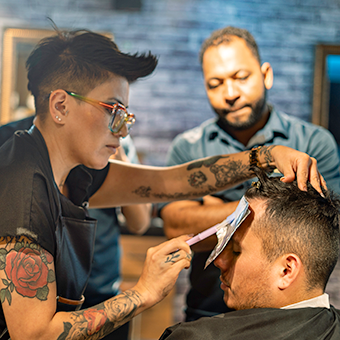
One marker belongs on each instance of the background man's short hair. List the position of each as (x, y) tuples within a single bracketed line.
[(79, 61), (225, 35), (299, 222)]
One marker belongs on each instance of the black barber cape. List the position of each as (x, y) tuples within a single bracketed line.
[(261, 324)]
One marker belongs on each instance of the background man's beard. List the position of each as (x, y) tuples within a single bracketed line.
[(255, 116)]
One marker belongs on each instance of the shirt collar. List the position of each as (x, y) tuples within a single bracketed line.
[(78, 182), (274, 127), (321, 301)]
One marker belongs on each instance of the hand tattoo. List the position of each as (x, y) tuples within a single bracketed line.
[(171, 257)]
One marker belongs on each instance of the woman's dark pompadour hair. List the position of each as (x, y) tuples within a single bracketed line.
[(78, 61)]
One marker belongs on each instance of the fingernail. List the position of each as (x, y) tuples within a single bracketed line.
[(282, 178)]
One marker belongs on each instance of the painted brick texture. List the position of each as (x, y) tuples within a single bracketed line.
[(173, 98)]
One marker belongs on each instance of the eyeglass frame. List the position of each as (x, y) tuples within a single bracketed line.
[(129, 118)]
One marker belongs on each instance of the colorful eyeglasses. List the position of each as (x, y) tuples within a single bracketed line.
[(118, 113)]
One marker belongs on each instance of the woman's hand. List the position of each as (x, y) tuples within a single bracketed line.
[(161, 268), (291, 163)]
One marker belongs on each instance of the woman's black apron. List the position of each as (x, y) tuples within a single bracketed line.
[(75, 247)]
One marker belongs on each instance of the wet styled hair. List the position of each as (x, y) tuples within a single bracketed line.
[(299, 222), (225, 35), (79, 61)]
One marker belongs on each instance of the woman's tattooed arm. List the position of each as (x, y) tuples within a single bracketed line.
[(98, 321), (27, 273), (212, 174), (204, 177)]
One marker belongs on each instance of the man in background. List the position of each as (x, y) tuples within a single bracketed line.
[(275, 269), (105, 277), (236, 84)]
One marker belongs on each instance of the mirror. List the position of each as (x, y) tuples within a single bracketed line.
[(16, 101), (326, 95)]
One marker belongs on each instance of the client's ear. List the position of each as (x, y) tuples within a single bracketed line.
[(290, 268)]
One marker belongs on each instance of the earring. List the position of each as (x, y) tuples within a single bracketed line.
[(66, 113), (57, 117)]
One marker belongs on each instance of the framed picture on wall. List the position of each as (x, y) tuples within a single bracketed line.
[(16, 101), (326, 93), (18, 43)]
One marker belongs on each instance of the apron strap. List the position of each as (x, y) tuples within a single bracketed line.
[(70, 304)]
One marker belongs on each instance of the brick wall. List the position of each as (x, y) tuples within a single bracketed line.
[(173, 98)]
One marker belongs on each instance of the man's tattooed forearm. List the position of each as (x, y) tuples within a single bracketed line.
[(206, 162), (94, 323)]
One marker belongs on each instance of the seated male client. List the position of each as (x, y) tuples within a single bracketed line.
[(275, 268)]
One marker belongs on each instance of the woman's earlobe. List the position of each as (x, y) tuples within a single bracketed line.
[(62, 112)]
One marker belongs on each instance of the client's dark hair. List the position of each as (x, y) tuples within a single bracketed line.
[(299, 222), (79, 61), (225, 35)]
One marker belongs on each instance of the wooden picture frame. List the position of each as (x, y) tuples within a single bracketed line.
[(320, 115), (17, 45)]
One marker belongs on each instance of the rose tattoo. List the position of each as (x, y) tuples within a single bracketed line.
[(27, 271)]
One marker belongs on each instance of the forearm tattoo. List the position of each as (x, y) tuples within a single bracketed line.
[(197, 178), (232, 172), (26, 269), (176, 195), (228, 172), (143, 191), (94, 323), (206, 162), (266, 152)]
